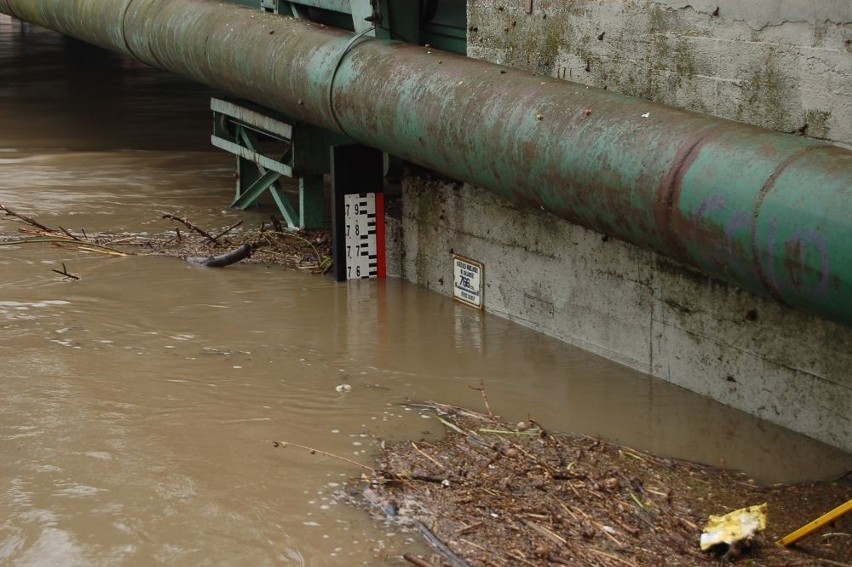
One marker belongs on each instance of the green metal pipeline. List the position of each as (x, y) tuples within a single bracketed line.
[(766, 211)]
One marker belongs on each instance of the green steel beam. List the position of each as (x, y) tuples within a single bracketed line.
[(766, 211), (243, 131), (253, 156), (290, 215), (250, 196)]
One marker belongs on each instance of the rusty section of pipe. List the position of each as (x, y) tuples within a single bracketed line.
[(763, 210)]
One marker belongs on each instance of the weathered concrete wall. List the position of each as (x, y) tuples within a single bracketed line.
[(781, 64), (633, 306)]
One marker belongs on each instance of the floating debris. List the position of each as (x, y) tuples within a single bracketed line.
[(494, 493), (268, 244)]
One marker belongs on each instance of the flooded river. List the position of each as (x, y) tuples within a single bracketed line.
[(140, 403)]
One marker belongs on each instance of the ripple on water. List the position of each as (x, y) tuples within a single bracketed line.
[(24, 310), (100, 455), (178, 487), (53, 546), (76, 490), (24, 305)]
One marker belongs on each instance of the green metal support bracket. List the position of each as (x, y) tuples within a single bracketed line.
[(250, 196), (268, 146)]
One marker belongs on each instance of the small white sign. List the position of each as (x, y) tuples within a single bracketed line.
[(467, 281)]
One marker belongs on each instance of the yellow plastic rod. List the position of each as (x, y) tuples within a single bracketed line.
[(811, 527)]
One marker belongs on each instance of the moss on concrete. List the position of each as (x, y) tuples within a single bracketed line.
[(764, 95), (817, 123)]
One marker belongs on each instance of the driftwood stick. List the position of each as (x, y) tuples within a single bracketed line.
[(68, 234), (611, 556), (227, 230), (552, 536), (482, 391), (222, 260), (60, 240), (326, 453), (191, 226), (516, 554), (441, 547), (422, 452), (28, 220), (65, 273), (414, 560)]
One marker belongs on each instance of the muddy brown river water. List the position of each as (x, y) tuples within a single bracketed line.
[(138, 405)]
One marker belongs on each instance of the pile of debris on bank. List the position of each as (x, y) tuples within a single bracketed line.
[(493, 494)]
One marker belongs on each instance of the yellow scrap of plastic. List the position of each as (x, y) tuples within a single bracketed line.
[(735, 527)]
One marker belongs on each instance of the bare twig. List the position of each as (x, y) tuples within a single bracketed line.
[(452, 426), (607, 534), (611, 556), (832, 562), (527, 433), (482, 391), (515, 554), (65, 273), (631, 453), (552, 536), (419, 450), (326, 453), (441, 547), (81, 244), (465, 529), (227, 230), (414, 560), (28, 220), (68, 234), (191, 226), (100, 249), (309, 243)]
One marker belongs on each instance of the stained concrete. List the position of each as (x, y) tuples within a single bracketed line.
[(632, 305), (780, 64)]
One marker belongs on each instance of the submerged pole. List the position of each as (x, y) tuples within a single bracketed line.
[(766, 211)]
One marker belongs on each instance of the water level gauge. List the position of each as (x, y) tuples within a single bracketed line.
[(358, 212), (363, 215)]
